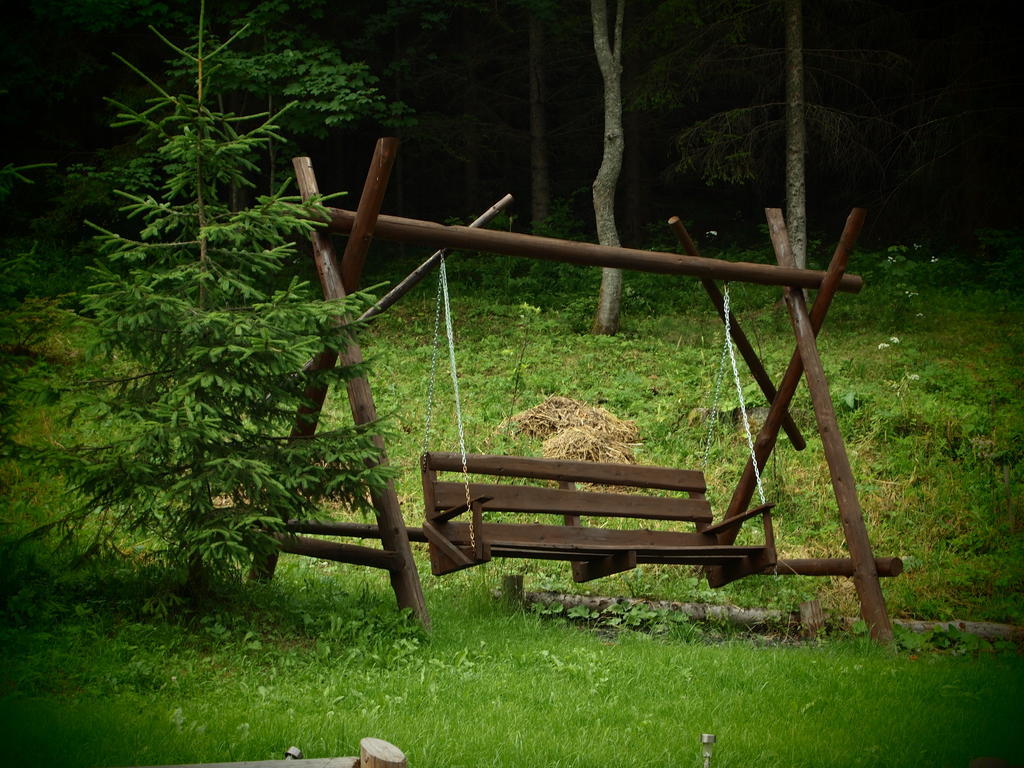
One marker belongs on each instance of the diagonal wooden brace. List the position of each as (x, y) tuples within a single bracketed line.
[(865, 574), (742, 343), (766, 437)]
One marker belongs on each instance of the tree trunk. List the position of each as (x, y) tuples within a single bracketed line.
[(609, 59), (540, 187), (796, 134)]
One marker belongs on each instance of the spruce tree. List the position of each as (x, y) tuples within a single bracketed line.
[(204, 335)]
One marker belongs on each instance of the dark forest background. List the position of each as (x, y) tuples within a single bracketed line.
[(914, 111)]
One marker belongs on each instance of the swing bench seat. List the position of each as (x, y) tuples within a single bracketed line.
[(594, 551)]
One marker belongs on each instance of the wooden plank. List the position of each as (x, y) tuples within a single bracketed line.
[(733, 523), (443, 514), (339, 552), (432, 234), (555, 501), (739, 337), (696, 555), (597, 568), (445, 556), (634, 475), (584, 539), (865, 575)]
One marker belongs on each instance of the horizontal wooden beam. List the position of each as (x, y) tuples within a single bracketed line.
[(341, 553), (428, 233), (835, 566)]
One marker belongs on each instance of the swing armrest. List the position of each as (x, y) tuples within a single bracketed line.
[(444, 515), (737, 520)]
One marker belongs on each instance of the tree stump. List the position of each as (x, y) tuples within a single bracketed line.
[(377, 753)]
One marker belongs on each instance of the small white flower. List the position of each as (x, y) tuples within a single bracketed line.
[(711, 233), (917, 246), (894, 340), (935, 259), (919, 314), (913, 377), (883, 345)]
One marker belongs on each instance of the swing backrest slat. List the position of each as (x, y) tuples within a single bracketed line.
[(634, 475)]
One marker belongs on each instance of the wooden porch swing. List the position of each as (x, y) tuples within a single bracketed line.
[(594, 551)]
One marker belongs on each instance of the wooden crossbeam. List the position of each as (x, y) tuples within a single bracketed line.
[(402, 230)]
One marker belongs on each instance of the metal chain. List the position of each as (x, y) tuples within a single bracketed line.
[(442, 276), (739, 394)]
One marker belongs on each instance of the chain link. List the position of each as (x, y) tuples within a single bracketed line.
[(442, 278), (739, 394)]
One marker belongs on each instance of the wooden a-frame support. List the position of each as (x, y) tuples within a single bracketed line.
[(396, 556), (337, 282)]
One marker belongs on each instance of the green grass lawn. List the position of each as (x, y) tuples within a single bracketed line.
[(320, 659)]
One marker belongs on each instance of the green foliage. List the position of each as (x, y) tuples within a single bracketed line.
[(203, 343)]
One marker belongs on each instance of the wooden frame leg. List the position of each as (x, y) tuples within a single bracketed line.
[(865, 575)]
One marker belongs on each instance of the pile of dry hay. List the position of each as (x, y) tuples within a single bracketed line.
[(577, 431)]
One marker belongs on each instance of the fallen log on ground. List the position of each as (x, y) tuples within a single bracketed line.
[(754, 618)]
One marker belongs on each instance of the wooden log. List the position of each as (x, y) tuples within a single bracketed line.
[(404, 577), (429, 233), (375, 753), (555, 501), (834, 566), (740, 338), (338, 552), (413, 278), (635, 475), (365, 220), (865, 575)]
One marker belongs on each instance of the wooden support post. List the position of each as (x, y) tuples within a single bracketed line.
[(766, 437), (742, 343), (370, 201), (865, 576), (404, 579)]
